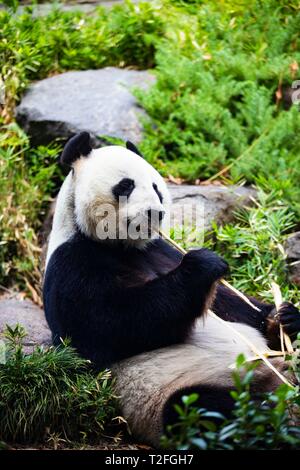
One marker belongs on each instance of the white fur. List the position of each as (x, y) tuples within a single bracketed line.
[(63, 226), (90, 187), (96, 175)]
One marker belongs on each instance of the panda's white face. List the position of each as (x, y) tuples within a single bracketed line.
[(118, 195)]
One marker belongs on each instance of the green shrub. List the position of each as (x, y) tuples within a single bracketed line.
[(219, 99), (28, 180), (32, 47), (255, 425), (51, 392), (254, 246)]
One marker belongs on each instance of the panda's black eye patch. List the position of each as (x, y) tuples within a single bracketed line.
[(123, 188), (157, 192)]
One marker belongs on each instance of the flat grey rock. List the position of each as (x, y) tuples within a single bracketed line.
[(97, 101), (30, 316), (292, 249), (214, 203)]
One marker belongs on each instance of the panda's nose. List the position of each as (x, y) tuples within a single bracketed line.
[(153, 214)]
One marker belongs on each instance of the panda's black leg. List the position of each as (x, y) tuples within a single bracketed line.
[(288, 316), (212, 398), (232, 308)]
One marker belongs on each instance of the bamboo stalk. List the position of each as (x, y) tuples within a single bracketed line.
[(257, 358), (253, 347), (284, 338), (240, 294)]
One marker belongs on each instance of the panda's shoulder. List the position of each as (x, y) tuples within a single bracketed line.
[(161, 247), (79, 254)]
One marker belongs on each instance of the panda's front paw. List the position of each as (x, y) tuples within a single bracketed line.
[(204, 264), (289, 317)]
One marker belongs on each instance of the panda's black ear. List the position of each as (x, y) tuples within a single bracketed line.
[(133, 148), (77, 146)]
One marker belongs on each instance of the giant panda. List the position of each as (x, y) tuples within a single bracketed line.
[(137, 305)]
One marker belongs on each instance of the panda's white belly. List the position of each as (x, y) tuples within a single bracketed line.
[(214, 337), (206, 356), (145, 382)]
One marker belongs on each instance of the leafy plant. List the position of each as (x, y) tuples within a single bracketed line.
[(33, 47), (221, 102), (255, 424), (50, 392), (28, 178), (254, 246)]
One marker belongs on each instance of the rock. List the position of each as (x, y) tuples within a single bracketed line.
[(85, 6), (214, 203), (98, 101), (292, 249), (27, 314)]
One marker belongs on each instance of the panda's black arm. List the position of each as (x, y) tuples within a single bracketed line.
[(162, 311), (230, 307)]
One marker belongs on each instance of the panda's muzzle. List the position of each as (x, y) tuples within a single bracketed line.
[(146, 221), (155, 215)]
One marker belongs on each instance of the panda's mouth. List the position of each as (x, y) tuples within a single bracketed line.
[(141, 229)]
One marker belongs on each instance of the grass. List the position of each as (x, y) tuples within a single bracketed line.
[(25, 191), (51, 393), (253, 245), (35, 47)]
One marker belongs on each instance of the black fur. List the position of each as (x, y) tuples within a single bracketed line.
[(115, 302), (232, 308), (157, 192), (123, 188), (88, 299), (209, 398), (77, 146), (133, 148)]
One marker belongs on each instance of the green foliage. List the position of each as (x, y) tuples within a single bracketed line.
[(13, 4), (254, 246), (51, 392), (32, 47), (28, 179), (257, 425), (214, 103)]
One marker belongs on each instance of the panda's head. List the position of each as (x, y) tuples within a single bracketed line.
[(117, 194)]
